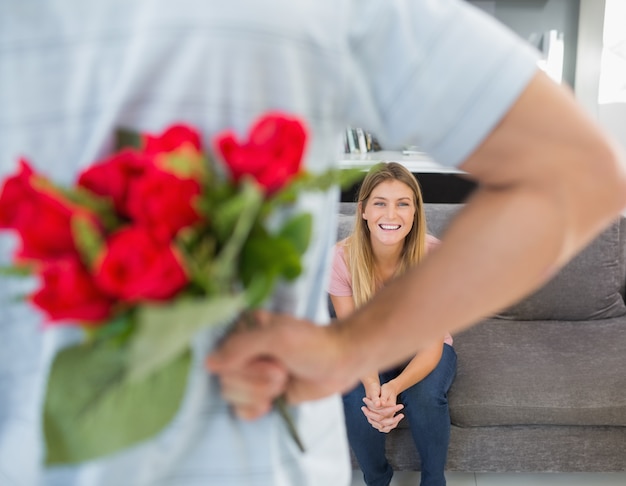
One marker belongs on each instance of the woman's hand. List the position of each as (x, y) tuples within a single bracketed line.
[(372, 389), (381, 411), (388, 394), (384, 418)]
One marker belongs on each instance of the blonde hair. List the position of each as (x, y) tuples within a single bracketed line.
[(358, 249)]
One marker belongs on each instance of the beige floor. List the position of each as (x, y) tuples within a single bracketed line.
[(403, 478)]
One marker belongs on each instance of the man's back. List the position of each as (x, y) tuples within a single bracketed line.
[(72, 72)]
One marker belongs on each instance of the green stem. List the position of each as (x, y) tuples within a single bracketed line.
[(281, 405), (281, 402)]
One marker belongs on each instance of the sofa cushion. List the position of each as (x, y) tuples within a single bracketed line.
[(438, 217), (588, 287), (345, 224), (539, 372)]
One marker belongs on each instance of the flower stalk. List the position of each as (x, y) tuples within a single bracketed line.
[(280, 403)]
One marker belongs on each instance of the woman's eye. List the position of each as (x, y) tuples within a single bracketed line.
[(379, 204)]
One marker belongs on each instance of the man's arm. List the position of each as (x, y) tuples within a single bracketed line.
[(549, 181)]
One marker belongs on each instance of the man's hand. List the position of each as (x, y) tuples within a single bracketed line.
[(251, 364), (252, 389)]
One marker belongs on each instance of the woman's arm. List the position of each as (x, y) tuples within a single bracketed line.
[(383, 414), (418, 368), (344, 306)]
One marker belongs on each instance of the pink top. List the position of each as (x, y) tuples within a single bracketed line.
[(341, 280)]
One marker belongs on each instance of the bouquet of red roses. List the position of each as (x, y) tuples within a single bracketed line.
[(151, 245)]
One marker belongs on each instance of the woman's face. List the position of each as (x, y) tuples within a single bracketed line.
[(390, 212)]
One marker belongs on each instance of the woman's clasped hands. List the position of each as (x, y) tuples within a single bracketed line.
[(381, 407)]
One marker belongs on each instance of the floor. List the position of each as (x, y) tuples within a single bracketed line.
[(407, 478)]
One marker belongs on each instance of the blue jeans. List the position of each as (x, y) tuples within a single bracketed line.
[(425, 407)]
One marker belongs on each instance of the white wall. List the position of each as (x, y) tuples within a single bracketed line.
[(589, 53), (612, 82), (601, 87)]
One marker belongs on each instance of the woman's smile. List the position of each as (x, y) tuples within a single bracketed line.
[(389, 227)]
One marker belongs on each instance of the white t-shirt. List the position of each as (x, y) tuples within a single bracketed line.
[(435, 73)]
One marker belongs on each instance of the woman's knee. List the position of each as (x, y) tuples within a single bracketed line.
[(433, 389), (423, 395)]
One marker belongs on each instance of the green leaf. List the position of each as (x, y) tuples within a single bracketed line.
[(87, 237), (198, 248), (269, 255), (185, 162), (349, 177), (226, 263), (306, 181), (90, 410), (16, 270), (164, 331), (118, 329), (214, 197), (298, 231), (125, 138), (101, 206), (235, 209), (259, 288)]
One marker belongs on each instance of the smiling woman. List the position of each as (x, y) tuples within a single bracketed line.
[(389, 237), (389, 194)]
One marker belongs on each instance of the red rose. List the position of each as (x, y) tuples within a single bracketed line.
[(163, 203), (41, 216), (17, 192), (138, 267), (272, 154), (171, 139), (68, 292), (114, 177)]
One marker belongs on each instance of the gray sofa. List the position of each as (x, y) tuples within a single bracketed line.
[(541, 386)]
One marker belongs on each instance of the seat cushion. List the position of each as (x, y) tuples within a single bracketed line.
[(589, 287), (541, 372)]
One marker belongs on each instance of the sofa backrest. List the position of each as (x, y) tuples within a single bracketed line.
[(590, 286)]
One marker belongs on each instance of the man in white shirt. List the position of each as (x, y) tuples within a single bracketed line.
[(435, 73)]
